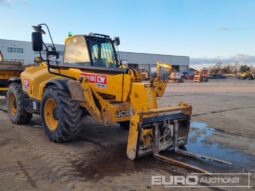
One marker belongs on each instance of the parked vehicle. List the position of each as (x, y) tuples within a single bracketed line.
[(245, 73), (201, 76), (188, 75), (217, 76), (176, 77), (8, 69)]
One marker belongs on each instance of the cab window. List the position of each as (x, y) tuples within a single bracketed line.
[(102, 53), (76, 51)]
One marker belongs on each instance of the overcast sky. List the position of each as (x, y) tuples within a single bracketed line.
[(196, 28)]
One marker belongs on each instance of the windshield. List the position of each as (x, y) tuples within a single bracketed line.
[(76, 51), (102, 52), (164, 73)]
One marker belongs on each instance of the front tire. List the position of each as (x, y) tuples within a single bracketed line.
[(16, 103), (61, 116)]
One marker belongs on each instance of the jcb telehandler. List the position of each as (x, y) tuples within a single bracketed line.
[(91, 81)]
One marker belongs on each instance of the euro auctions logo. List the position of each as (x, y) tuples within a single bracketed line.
[(196, 180), (170, 181)]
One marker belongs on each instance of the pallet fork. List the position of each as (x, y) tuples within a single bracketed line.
[(176, 149)]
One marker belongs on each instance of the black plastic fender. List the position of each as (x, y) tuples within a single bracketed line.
[(59, 83)]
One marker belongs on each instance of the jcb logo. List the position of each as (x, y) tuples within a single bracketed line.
[(122, 113)]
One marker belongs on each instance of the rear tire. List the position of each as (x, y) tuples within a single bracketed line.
[(61, 116), (16, 103)]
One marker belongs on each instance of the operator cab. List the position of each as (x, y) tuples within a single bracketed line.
[(91, 50)]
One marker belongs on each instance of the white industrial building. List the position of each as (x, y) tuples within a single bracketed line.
[(21, 51), (148, 61)]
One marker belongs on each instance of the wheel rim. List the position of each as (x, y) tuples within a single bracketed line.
[(49, 114), (13, 105)]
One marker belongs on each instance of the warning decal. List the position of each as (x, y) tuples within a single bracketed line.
[(98, 79), (25, 84)]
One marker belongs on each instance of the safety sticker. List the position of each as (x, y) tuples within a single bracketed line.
[(25, 84), (98, 79)]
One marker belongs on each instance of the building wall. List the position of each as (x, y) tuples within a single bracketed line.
[(22, 51), (24, 56), (143, 59)]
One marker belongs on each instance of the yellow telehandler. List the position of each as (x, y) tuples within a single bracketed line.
[(91, 81), (245, 73)]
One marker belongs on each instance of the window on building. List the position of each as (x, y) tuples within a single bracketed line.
[(15, 50)]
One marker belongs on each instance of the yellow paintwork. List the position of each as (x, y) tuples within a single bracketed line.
[(245, 74), (163, 65), (159, 86), (158, 83), (36, 77), (142, 97), (133, 136), (118, 86), (125, 93), (122, 97), (13, 104), (6, 75), (8, 69), (50, 106), (39, 76)]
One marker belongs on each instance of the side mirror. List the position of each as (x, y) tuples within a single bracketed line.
[(37, 41), (116, 41)]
